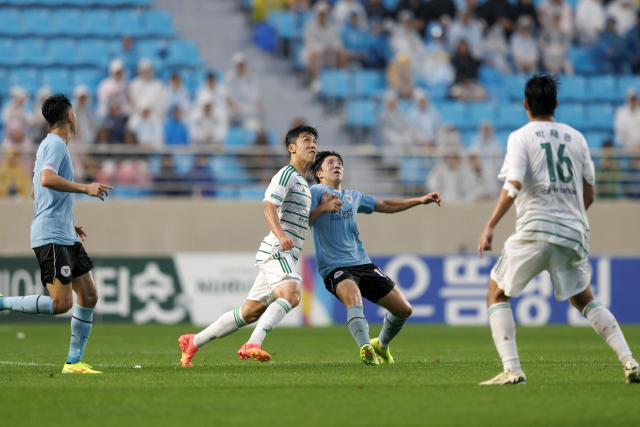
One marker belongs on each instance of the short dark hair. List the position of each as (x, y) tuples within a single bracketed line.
[(293, 134), (541, 93), (55, 108), (320, 157)]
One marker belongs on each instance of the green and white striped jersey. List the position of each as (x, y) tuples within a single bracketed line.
[(290, 192)]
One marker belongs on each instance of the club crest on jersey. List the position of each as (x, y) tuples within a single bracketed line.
[(66, 271), (348, 199), (338, 274)]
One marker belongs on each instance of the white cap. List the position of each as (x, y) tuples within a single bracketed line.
[(18, 92), (322, 7), (115, 66), (145, 64), (631, 92), (44, 91), (419, 94), (81, 90), (239, 58)]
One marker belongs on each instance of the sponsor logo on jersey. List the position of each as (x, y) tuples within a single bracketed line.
[(275, 196), (303, 221), (348, 199), (342, 215), (66, 271), (338, 274)]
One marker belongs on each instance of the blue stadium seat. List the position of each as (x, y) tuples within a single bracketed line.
[(571, 114), (238, 137), (227, 169), (456, 113), (361, 113), (10, 22), (334, 83), (226, 192), (182, 163), (596, 139), (365, 83), (252, 192), (514, 86), (62, 52), (413, 170), (604, 89), (510, 116), (599, 117), (581, 59), (503, 137), (31, 52), (468, 136), (182, 53), (127, 22), (89, 77), (625, 82), (479, 112), (151, 49), (282, 22), (67, 22), (572, 89), (92, 53), (27, 78), (36, 22), (58, 79), (4, 86), (158, 23), (7, 53), (98, 23)]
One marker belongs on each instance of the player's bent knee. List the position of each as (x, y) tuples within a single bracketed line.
[(62, 305), (293, 299)]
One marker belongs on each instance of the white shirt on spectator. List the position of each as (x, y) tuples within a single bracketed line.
[(112, 90), (590, 20), (343, 9), (471, 32), (208, 128), (148, 131), (627, 126), (320, 37), (178, 96), (558, 7), (624, 12), (426, 122), (524, 49), (147, 92)]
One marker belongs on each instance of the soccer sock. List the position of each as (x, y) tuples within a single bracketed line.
[(390, 328), (503, 330), (227, 324), (607, 327), (269, 320), (32, 304), (80, 330), (357, 324)]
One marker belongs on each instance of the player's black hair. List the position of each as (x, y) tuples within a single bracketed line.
[(294, 134), (55, 108), (541, 93), (317, 165)]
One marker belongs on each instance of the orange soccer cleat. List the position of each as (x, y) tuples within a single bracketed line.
[(253, 350), (188, 349)]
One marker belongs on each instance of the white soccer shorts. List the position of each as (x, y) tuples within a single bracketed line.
[(522, 260), (273, 273)]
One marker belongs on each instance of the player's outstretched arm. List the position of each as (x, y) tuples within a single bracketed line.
[(399, 205), (328, 203), (51, 180), (502, 207), (273, 221)]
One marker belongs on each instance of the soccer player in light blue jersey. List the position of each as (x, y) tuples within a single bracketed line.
[(55, 239), (343, 263)]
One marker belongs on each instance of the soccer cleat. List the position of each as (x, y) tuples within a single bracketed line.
[(253, 350), (79, 368), (632, 372), (507, 378), (368, 355), (188, 349), (383, 355)]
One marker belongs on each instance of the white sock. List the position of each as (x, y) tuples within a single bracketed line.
[(503, 330), (269, 320), (227, 324), (607, 327)]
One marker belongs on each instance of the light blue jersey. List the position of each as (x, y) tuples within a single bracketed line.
[(53, 214), (335, 234)]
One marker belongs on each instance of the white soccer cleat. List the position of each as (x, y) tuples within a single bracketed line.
[(507, 378), (632, 372)]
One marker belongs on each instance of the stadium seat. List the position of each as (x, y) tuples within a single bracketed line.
[(572, 89), (468, 137), (89, 77), (67, 22), (229, 170), (599, 117), (62, 52), (127, 22), (92, 53), (503, 137), (58, 79), (31, 52), (596, 139), (282, 23), (98, 23), (510, 116), (238, 137), (36, 22), (226, 192), (413, 170), (334, 83), (27, 78), (182, 163), (571, 114), (479, 112), (10, 22), (514, 86), (182, 53), (158, 23), (4, 86), (581, 59), (604, 89), (252, 192), (625, 82), (361, 114), (365, 83), (7, 53), (456, 113)]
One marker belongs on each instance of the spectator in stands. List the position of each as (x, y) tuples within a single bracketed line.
[(450, 178), (168, 182), (393, 128), (626, 122), (611, 51), (526, 11), (624, 13), (493, 12), (260, 159), (175, 131), (39, 126), (376, 10), (208, 125), (243, 96), (147, 90), (16, 110), (16, 139), (379, 52), (524, 49), (343, 9), (420, 13), (200, 178), (550, 8), (210, 88), (437, 9), (485, 140), (609, 174), (405, 38), (147, 128), (438, 73), (400, 75), (632, 179), (590, 21), (554, 45), (425, 119), (102, 136), (113, 89), (177, 94), (448, 136), (482, 182), (86, 126), (633, 41), (466, 86), (322, 44), (466, 27), (116, 123), (14, 178), (355, 39), (496, 48), (130, 138), (128, 55)]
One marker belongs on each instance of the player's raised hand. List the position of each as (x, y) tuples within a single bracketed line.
[(485, 241), (80, 232), (98, 190), (287, 244), (334, 204), (327, 197), (431, 198)]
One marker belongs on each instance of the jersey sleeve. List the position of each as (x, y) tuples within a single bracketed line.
[(53, 157), (367, 203), (515, 161), (588, 168), (277, 190), (316, 196)]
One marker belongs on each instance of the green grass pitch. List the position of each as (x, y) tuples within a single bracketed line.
[(314, 379)]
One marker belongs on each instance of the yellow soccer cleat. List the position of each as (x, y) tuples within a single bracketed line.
[(368, 355), (507, 378), (79, 368), (383, 355)]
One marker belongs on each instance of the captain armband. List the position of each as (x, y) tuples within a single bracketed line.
[(511, 189)]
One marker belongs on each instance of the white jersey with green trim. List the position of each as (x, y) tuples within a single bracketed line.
[(290, 192), (551, 160)]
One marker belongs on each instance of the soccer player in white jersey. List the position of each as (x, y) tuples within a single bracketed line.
[(549, 174), (276, 291)]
